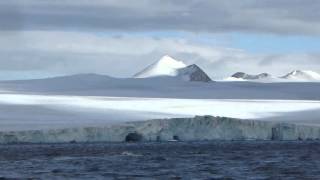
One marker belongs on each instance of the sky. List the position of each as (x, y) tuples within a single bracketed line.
[(44, 38)]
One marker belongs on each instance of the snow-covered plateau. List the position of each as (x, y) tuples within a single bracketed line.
[(198, 128), (92, 107)]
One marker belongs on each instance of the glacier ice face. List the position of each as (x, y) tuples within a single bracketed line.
[(199, 128)]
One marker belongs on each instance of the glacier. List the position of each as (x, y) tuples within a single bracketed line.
[(198, 128), (91, 107)]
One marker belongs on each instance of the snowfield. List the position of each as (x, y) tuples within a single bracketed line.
[(21, 111)]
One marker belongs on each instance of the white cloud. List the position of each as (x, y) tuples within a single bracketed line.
[(78, 52)]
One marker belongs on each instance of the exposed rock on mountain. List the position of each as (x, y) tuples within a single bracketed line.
[(242, 75), (193, 73)]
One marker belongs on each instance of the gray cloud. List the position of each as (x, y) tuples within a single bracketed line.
[(264, 16)]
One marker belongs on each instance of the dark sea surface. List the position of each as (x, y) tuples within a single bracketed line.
[(174, 160)]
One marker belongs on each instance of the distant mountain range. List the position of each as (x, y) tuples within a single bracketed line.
[(170, 67), (296, 75)]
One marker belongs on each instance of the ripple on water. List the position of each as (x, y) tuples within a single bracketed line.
[(199, 160)]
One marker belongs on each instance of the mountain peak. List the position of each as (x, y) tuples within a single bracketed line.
[(296, 72), (170, 62), (166, 66), (167, 58)]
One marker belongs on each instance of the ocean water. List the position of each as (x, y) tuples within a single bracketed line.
[(169, 160)]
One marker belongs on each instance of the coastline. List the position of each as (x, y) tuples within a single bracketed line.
[(199, 128)]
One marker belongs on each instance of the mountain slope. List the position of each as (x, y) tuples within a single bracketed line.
[(193, 73)]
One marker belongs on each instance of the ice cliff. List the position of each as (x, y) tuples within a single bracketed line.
[(199, 128)]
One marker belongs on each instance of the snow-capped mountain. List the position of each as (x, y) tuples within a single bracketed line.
[(241, 76), (298, 75), (294, 76), (167, 66)]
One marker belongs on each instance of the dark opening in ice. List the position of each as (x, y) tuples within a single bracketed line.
[(134, 137), (175, 137)]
